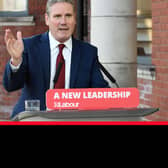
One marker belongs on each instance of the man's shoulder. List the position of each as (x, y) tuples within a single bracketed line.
[(36, 38), (84, 44)]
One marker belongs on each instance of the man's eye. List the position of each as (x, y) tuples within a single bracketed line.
[(69, 15), (57, 16)]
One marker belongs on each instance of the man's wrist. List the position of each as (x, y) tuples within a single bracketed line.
[(14, 67), (16, 62)]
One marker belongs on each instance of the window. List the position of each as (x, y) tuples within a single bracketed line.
[(144, 31), (13, 7)]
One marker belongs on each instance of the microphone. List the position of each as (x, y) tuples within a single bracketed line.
[(57, 72), (109, 76)]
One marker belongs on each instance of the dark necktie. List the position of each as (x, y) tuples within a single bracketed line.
[(60, 65)]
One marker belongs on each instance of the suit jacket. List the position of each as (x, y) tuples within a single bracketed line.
[(33, 76)]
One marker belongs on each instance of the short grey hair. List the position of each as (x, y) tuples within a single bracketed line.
[(52, 2)]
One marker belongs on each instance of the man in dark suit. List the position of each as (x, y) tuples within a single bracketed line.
[(33, 60)]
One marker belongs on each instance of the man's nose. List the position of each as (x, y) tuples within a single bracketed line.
[(63, 20)]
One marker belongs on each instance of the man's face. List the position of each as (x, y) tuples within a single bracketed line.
[(61, 21)]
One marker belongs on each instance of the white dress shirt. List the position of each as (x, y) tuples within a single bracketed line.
[(67, 52)]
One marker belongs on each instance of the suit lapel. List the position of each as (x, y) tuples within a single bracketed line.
[(74, 61), (44, 52)]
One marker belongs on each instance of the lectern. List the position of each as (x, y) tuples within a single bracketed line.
[(122, 114)]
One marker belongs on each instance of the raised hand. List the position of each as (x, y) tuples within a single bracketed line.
[(14, 46)]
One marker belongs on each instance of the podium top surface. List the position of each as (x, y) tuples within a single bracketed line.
[(87, 114)]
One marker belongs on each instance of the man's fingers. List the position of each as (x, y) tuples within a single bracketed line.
[(14, 46), (8, 35), (19, 36), (10, 44)]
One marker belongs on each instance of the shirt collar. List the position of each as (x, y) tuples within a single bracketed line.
[(54, 42)]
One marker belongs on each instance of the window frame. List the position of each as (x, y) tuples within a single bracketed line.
[(15, 13)]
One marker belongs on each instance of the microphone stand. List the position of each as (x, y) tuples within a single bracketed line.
[(109, 76)]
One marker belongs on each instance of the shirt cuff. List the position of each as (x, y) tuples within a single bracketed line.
[(13, 67)]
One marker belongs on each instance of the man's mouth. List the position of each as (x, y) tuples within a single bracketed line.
[(63, 29)]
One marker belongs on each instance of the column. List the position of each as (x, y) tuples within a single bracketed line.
[(113, 31)]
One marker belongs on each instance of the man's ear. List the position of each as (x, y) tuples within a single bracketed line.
[(46, 19)]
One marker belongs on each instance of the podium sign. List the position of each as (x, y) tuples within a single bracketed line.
[(91, 99)]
